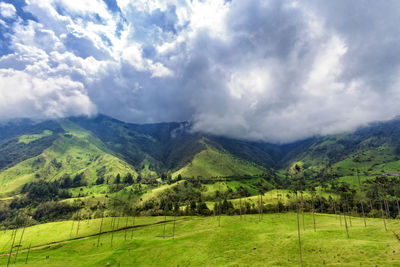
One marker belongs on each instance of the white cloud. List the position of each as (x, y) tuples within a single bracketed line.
[(24, 95), (86, 7), (7, 10)]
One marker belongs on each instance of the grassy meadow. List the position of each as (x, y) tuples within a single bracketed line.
[(199, 241)]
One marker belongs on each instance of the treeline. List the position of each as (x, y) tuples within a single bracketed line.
[(338, 197), (190, 196), (39, 200)]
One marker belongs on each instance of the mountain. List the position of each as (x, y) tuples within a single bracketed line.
[(53, 150), (377, 148), (102, 147)]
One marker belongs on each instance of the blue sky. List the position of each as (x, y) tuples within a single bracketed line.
[(273, 70)]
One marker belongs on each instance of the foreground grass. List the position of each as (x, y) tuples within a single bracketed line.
[(200, 242)]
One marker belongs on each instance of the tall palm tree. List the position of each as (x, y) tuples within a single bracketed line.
[(356, 161), (312, 190), (343, 190), (297, 170)]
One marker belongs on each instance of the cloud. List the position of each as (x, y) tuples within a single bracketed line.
[(23, 95), (7, 10), (272, 70)]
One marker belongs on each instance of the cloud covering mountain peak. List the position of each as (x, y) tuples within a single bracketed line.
[(263, 70)]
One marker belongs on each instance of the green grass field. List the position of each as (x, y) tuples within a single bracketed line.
[(200, 242), (26, 139)]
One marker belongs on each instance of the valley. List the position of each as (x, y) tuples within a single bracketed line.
[(71, 182)]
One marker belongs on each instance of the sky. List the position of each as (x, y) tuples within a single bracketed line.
[(270, 70)]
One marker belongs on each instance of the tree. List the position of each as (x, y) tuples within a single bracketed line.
[(193, 206), (67, 182), (241, 192), (117, 179), (100, 180), (312, 190), (356, 161), (128, 179), (77, 181), (296, 171), (343, 191), (218, 197), (202, 208)]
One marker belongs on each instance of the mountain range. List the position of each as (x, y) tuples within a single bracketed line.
[(103, 147)]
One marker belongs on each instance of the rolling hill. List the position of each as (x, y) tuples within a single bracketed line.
[(103, 147), (69, 176)]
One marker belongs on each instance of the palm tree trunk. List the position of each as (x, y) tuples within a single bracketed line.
[(79, 220), (27, 254), (12, 246), (112, 230), (72, 228), (383, 216), (345, 223), (240, 207), (313, 214), (173, 228), (361, 201), (101, 225), (219, 213), (349, 211), (259, 209), (302, 210), (387, 210), (398, 207), (320, 203), (126, 226), (363, 213), (165, 221), (133, 225), (19, 244), (334, 208), (277, 199), (298, 231)]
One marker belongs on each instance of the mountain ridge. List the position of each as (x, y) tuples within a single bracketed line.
[(153, 150)]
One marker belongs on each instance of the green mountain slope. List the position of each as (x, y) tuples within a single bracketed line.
[(213, 162), (172, 146), (103, 147), (73, 152), (376, 146), (24, 139)]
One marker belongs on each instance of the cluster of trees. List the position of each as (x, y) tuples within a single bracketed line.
[(127, 179), (191, 196), (38, 199), (68, 182), (53, 210), (41, 191)]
